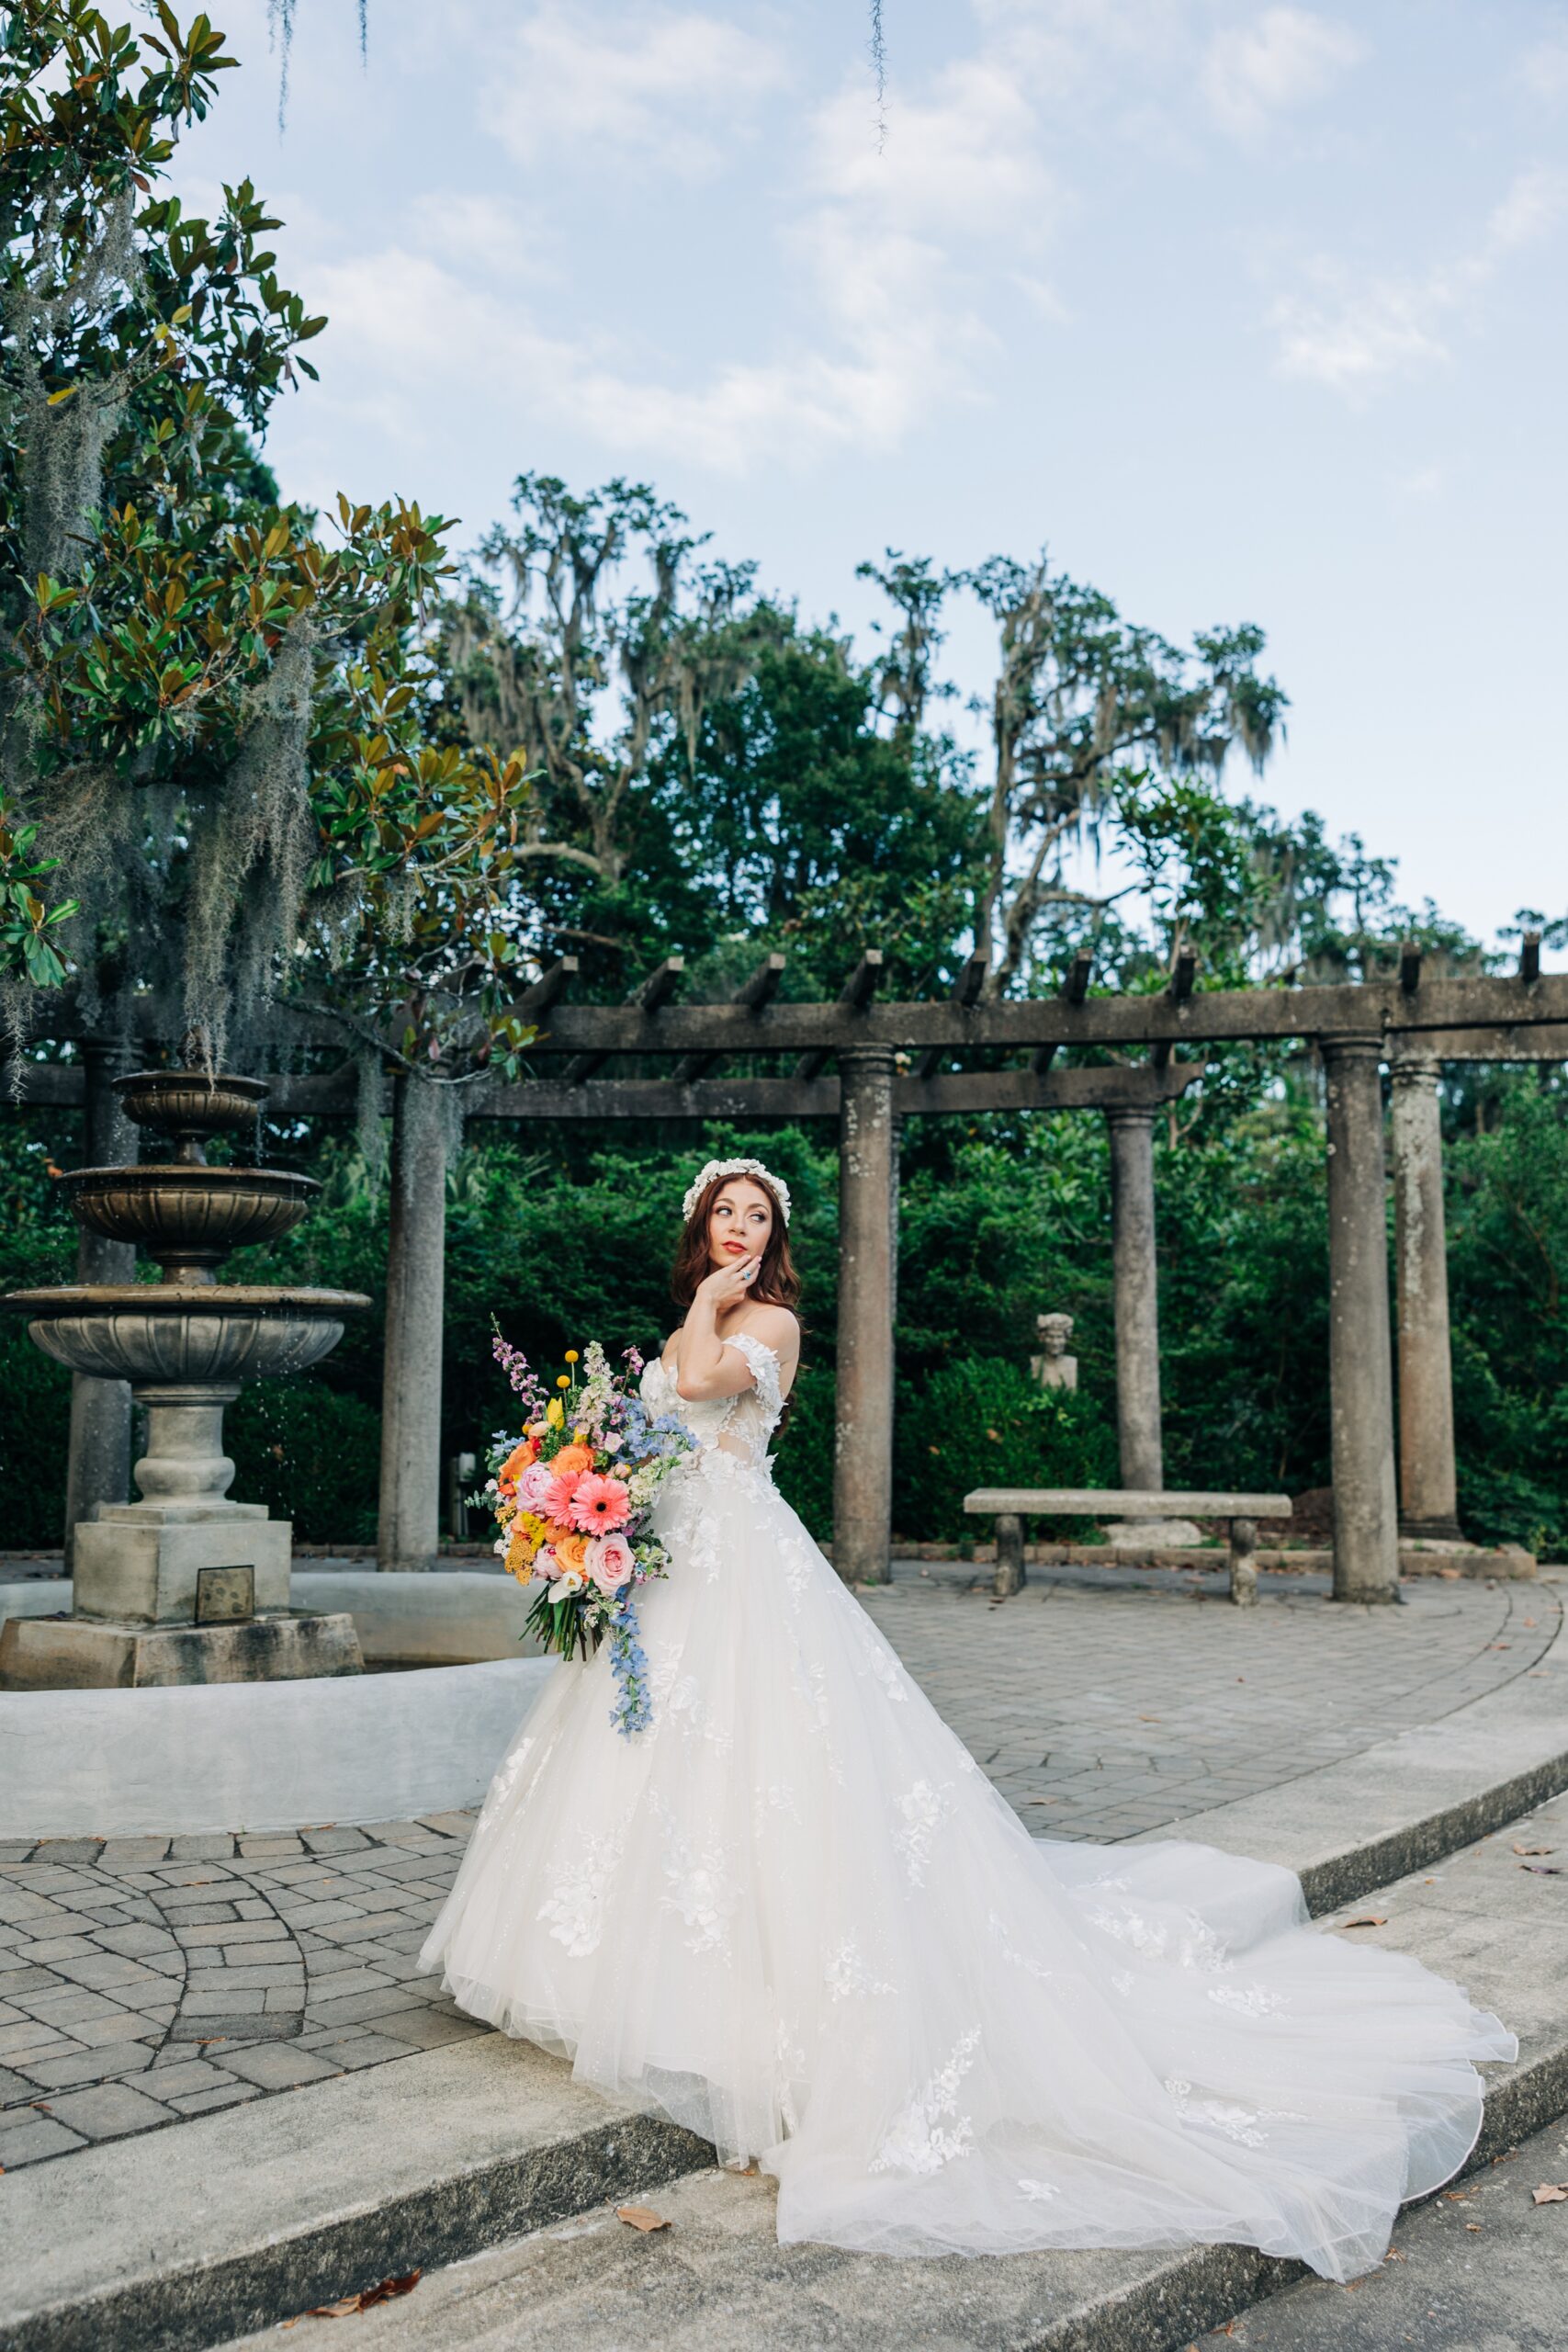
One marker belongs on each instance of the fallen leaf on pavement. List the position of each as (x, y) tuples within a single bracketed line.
[(1449, 1574), (367, 2297), (1148, 1719), (1551, 2192), (1543, 1870), (642, 2217), (1534, 1850), (1367, 1919)]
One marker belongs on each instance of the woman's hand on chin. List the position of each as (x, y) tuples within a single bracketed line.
[(726, 1285)]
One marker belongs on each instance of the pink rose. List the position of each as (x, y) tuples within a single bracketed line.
[(598, 1504), (534, 1485), (609, 1562), (557, 1496)]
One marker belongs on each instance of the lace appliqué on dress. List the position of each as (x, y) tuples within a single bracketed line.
[(847, 1974), (700, 1892), (1254, 2001), (924, 1809), (575, 1904), (764, 1368), (918, 2142)]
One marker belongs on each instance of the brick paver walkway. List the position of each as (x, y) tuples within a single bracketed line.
[(144, 1980), (1107, 1701)]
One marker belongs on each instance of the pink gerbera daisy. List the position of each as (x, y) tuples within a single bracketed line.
[(556, 1500), (598, 1504)]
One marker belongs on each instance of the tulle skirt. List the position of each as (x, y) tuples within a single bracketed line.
[(795, 1915)]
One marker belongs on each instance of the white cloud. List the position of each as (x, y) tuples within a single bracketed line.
[(1284, 58), (1350, 336), (670, 86), (1543, 70)]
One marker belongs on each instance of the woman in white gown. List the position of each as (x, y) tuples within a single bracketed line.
[(795, 1914)]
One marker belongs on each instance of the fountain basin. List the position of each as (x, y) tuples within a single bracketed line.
[(184, 1332), (189, 1103), (187, 1216)]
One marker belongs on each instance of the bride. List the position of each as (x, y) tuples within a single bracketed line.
[(794, 1914)]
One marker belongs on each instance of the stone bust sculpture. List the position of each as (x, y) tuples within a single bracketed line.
[(1053, 1367)]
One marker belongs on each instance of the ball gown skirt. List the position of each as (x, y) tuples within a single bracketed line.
[(795, 1915)]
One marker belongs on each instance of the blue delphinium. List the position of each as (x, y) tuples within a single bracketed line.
[(632, 1710)]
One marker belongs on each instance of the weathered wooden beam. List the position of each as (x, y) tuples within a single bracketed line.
[(967, 990), (1178, 987), (1529, 958), (1061, 1090), (645, 1002), (758, 990), (659, 1098), (1410, 966), (313, 1094), (848, 1014), (1075, 986), (1515, 1042), (1017, 1023), (1459, 1009), (949, 1092), (548, 989)]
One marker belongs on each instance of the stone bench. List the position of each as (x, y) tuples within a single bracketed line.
[(1010, 1505)]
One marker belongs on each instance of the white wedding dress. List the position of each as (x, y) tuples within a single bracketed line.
[(795, 1914)]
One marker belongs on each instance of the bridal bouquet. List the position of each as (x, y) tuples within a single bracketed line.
[(573, 1498)]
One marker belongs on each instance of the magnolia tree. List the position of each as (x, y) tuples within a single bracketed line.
[(219, 781)]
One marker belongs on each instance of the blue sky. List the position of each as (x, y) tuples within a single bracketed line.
[(1248, 313)]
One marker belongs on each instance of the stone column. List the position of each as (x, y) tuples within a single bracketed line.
[(97, 1466), (1428, 1499), (1137, 1298), (408, 1535), (1366, 1539), (862, 1464)]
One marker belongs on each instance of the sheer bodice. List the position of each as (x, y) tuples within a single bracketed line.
[(794, 1914), (740, 1426)]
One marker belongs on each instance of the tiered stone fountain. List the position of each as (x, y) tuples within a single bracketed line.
[(184, 1586)]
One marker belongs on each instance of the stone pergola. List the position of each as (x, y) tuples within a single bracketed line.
[(891, 1060)]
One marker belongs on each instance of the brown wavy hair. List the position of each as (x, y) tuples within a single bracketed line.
[(777, 1283)]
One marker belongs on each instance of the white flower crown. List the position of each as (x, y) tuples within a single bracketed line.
[(775, 1184)]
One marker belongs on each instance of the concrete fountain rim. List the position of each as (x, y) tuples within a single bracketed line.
[(182, 1298), (190, 1175)]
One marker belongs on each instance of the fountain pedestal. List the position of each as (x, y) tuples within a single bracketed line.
[(185, 1555), (185, 1585)]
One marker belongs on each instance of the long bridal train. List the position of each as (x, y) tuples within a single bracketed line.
[(796, 1916)]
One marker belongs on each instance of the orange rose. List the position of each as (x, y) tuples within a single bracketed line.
[(555, 1536), (516, 1462), (572, 1461), (571, 1552)]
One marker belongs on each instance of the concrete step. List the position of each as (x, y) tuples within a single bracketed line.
[(238, 2220), (716, 2278), (1482, 2269)]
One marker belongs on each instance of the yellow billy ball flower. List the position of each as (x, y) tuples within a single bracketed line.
[(572, 1355), (563, 1380)]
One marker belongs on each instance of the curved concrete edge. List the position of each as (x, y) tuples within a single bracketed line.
[(1371, 1817), (257, 1754)]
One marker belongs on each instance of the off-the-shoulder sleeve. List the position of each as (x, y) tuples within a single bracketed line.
[(764, 1368)]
